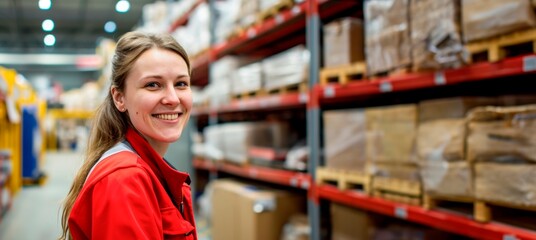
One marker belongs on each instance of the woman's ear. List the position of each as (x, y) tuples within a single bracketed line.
[(119, 99)]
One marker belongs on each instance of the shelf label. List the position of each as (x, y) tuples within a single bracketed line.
[(509, 237), (439, 78), (329, 92), (305, 185), (278, 19), (303, 98), (294, 182), (296, 10), (263, 102), (529, 64), (251, 33), (386, 87), (401, 212)]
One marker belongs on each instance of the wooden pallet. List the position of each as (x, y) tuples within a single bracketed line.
[(343, 74), (498, 48), (483, 209), (274, 10), (393, 72), (431, 201), (345, 179), (250, 94), (399, 190), (299, 87)]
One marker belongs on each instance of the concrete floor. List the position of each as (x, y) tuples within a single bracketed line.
[(35, 213)]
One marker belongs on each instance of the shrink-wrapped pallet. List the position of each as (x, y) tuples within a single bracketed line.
[(344, 139), (436, 40), (502, 134), (343, 42), (240, 136), (441, 140), (286, 68), (226, 18), (391, 133), (444, 178), (456, 107), (248, 79), (513, 184), (387, 35), (489, 18), (247, 15)]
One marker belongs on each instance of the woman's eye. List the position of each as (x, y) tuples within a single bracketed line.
[(152, 85), (181, 84)]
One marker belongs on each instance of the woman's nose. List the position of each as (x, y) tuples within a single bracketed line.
[(171, 96)]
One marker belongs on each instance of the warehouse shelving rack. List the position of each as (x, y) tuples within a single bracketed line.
[(308, 16)]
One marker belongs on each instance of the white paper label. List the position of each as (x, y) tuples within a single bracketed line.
[(252, 33), (386, 87), (329, 92), (303, 98), (296, 10), (401, 212), (278, 19), (529, 63), (264, 205), (509, 237), (439, 78)]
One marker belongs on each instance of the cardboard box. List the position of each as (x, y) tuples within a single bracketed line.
[(514, 184), (343, 42), (436, 40), (387, 35), (441, 140), (453, 179), (244, 212), (345, 139), (348, 223), (286, 68), (502, 134), (391, 133), (456, 107), (489, 18)]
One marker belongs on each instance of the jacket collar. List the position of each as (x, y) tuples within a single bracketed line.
[(171, 179)]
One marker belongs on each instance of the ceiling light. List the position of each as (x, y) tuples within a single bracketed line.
[(50, 40), (48, 25), (44, 4), (122, 6), (110, 27)]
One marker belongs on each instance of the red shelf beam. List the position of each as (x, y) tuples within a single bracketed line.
[(476, 72), (288, 100), (441, 220), (184, 18), (282, 177)]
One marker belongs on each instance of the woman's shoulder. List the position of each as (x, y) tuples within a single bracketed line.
[(117, 165)]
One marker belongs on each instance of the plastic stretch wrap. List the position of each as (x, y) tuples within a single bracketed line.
[(436, 35), (248, 12), (391, 133), (387, 35), (238, 137), (506, 183), (248, 79), (489, 18), (227, 16), (393, 170), (448, 178), (345, 136), (286, 68), (502, 134), (441, 140), (456, 107)]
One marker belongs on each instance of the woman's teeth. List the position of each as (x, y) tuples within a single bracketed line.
[(167, 116)]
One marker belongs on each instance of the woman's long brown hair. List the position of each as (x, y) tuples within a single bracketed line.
[(109, 124)]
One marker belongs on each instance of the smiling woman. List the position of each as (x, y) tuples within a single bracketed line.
[(126, 189)]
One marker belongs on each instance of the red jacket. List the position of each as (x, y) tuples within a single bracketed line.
[(133, 195)]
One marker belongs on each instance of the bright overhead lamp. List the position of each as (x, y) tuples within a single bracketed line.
[(110, 27), (45, 4), (49, 40), (47, 25), (122, 6)]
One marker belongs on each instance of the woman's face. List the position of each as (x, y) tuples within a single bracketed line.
[(157, 97)]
